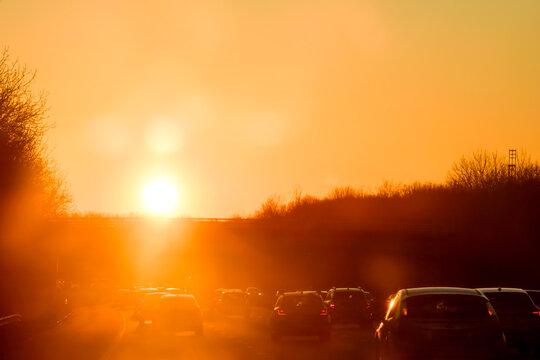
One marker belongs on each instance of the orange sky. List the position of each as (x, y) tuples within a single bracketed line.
[(237, 100)]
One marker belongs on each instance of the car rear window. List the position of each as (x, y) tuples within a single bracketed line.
[(180, 303), (152, 299), (510, 299), (446, 306), (234, 296), (301, 301), (350, 297)]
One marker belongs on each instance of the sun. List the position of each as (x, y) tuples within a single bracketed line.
[(160, 196)]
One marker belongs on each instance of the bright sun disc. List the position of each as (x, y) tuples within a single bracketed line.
[(160, 196)]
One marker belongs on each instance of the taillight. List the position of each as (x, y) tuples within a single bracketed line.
[(404, 311), (368, 306), (332, 305), (324, 312), (537, 313), (281, 312)]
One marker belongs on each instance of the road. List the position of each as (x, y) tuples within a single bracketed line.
[(241, 338), (105, 333), (89, 333)]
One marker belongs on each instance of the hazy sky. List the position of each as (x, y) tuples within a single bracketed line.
[(237, 100)]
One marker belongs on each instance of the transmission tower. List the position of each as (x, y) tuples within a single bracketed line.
[(512, 161)]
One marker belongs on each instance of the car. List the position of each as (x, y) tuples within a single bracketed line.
[(178, 312), (519, 316), (230, 302), (253, 291), (254, 296), (300, 313), (439, 322), (148, 307), (349, 306)]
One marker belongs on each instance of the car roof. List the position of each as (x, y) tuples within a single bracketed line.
[(440, 291), (147, 289), (501, 290), (301, 292), (348, 289), (231, 291), (177, 296)]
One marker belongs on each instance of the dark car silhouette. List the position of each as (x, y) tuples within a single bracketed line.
[(254, 296), (350, 306), (178, 312), (436, 322), (300, 313), (519, 317), (230, 302)]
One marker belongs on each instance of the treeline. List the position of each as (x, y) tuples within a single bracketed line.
[(478, 188)]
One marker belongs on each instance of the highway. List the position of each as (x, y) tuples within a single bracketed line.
[(236, 337), (106, 333)]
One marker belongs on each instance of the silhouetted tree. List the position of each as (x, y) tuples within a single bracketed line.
[(271, 208), (345, 192), (25, 163), (487, 171)]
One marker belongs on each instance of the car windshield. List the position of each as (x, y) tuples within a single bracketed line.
[(446, 306), (510, 300)]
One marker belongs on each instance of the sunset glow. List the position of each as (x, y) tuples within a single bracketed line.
[(244, 100), (160, 196), (220, 180)]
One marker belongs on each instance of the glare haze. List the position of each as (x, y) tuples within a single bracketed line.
[(234, 101)]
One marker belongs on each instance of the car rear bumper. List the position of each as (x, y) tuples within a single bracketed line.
[(344, 318), (301, 328)]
